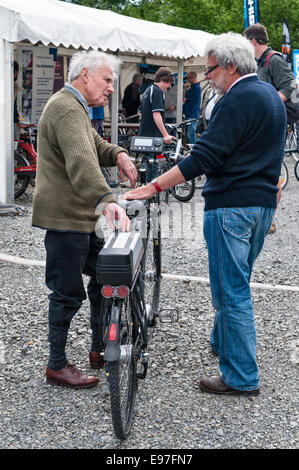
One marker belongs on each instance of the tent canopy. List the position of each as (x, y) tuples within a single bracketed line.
[(69, 25)]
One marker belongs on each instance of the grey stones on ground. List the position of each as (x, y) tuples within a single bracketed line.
[(171, 411)]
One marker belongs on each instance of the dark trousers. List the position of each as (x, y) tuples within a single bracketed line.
[(69, 256)]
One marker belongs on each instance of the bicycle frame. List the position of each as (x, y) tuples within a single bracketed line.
[(27, 146)]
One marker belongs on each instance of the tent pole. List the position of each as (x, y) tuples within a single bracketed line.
[(180, 91), (114, 121), (6, 122)]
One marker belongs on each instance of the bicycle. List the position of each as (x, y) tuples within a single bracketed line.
[(173, 154), (25, 160), (130, 270), (157, 158)]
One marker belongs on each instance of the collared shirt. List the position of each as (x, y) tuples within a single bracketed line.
[(78, 95)]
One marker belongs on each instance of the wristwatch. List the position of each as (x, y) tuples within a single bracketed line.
[(156, 184)]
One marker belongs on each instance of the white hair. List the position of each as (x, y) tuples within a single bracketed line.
[(92, 60), (233, 49)]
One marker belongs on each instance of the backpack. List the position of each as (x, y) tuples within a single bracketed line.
[(292, 107)]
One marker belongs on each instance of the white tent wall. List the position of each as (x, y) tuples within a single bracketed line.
[(65, 25)]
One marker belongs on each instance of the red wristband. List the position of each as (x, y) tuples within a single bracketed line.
[(155, 183)]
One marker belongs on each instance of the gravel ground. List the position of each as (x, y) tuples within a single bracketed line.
[(171, 411)]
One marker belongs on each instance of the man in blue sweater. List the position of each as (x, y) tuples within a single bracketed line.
[(241, 154), (192, 103)]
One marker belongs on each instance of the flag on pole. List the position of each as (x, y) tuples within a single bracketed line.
[(286, 43), (251, 12)]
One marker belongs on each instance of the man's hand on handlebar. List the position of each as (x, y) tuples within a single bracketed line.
[(168, 139), (126, 166)]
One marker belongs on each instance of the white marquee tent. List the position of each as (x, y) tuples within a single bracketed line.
[(53, 22)]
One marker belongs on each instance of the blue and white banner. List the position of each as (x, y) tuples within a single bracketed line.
[(296, 65), (251, 12)]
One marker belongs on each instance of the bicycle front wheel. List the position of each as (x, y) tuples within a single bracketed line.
[(21, 180), (284, 175), (152, 261), (185, 191), (296, 170), (122, 375)]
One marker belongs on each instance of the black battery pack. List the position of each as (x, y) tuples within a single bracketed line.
[(120, 258)]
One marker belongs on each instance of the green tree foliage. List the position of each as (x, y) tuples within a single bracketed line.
[(213, 16)]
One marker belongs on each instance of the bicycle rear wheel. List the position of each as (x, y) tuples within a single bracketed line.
[(284, 175), (122, 374), (296, 170), (185, 191), (21, 180)]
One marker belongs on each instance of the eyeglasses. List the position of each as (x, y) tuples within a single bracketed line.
[(210, 70)]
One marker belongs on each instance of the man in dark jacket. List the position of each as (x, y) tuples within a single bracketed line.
[(131, 99), (275, 70), (241, 153)]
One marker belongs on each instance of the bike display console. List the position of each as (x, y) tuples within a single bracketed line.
[(146, 144), (119, 259)]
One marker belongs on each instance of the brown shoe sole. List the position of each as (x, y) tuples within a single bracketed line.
[(58, 383), (230, 392)]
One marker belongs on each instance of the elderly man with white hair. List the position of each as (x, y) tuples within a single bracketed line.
[(241, 154), (69, 186)]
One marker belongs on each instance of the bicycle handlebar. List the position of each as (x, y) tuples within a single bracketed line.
[(133, 207)]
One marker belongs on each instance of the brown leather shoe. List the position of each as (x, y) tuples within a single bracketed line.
[(96, 360), (216, 385), (71, 377)]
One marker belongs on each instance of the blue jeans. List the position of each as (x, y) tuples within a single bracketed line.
[(69, 255), (191, 132), (235, 237)]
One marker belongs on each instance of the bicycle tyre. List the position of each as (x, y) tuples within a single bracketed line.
[(185, 191), (284, 175), (20, 181), (152, 262), (123, 377), (296, 170)]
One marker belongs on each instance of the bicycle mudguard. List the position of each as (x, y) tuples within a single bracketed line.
[(112, 349)]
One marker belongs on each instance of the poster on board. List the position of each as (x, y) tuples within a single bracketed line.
[(35, 82), (43, 79)]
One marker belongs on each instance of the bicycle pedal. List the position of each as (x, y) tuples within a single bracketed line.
[(169, 315)]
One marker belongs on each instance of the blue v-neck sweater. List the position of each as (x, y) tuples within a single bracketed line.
[(242, 149)]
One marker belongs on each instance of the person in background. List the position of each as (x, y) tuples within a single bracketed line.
[(97, 119), (152, 106), (70, 193), (170, 105), (152, 111), (192, 103), (131, 99), (16, 89), (209, 99), (276, 72), (241, 153)]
